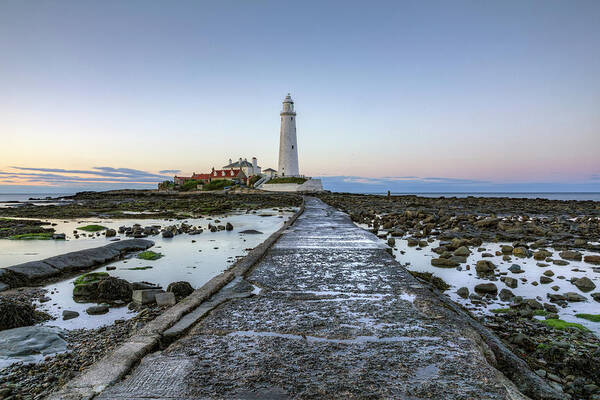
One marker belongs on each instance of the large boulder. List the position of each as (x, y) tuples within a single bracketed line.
[(462, 251), (542, 254), (113, 288), (444, 263), (570, 255), (15, 314), (489, 287), (520, 252), (180, 289), (484, 267), (584, 284), (592, 259), (99, 286), (28, 343)]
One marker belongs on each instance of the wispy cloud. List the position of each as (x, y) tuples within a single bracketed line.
[(409, 179), (169, 171), (95, 175)]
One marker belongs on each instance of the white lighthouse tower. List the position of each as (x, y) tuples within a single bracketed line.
[(288, 146)]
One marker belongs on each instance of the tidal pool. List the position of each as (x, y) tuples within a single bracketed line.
[(192, 258), (419, 259)]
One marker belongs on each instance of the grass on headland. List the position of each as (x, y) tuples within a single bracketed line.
[(92, 228), (288, 179), (32, 236), (149, 255), (540, 313), (589, 317), (218, 184), (562, 325)]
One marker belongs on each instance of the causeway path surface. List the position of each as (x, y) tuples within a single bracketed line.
[(336, 317)]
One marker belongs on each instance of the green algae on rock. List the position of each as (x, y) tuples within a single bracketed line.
[(589, 317), (562, 325), (91, 228), (149, 255)]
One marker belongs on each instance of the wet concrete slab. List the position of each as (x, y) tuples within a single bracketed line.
[(336, 316)]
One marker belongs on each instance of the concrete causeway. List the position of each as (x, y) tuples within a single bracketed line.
[(329, 314)]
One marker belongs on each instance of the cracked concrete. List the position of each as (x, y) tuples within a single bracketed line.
[(336, 317)]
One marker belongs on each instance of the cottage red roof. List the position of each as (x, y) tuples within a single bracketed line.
[(201, 176), (232, 173)]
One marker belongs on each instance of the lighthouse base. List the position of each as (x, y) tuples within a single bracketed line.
[(310, 186)]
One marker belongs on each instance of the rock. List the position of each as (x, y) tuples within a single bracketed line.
[(510, 282), (167, 234), (542, 265), (486, 288), (542, 254), (391, 242), (113, 288), (34, 270), (165, 299), (97, 310), (228, 226), (145, 296), (574, 297), (462, 251), (523, 341), (15, 314), (520, 252), (59, 236), (545, 279), (515, 269), (570, 255), (506, 249), (549, 273), (411, 242), (143, 285), (110, 233), (550, 308), (506, 295), (180, 289), (67, 314), (444, 263), (592, 259), (251, 232), (534, 304), (27, 344), (596, 296), (484, 267), (111, 268), (584, 284), (560, 262), (463, 292)]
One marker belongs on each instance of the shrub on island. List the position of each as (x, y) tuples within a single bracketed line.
[(288, 179)]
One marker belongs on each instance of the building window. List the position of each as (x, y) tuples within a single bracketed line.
[(292, 147)]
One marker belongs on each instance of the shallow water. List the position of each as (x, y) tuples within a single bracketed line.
[(212, 253), (419, 259)]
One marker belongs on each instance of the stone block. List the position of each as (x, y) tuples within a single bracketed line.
[(165, 299), (145, 296)]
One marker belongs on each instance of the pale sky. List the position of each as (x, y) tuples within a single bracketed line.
[(466, 91)]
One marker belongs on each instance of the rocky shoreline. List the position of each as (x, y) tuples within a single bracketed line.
[(37, 380), (565, 355), (84, 347), (152, 204)]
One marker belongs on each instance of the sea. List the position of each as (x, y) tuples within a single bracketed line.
[(9, 199), (582, 196)]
